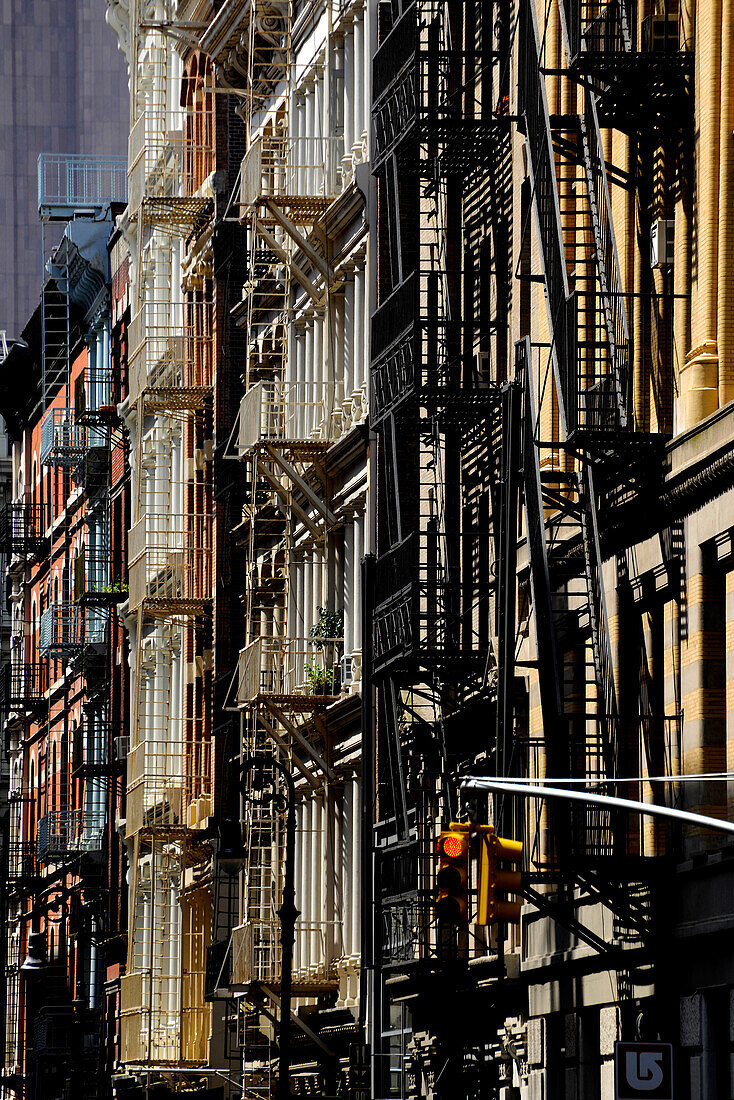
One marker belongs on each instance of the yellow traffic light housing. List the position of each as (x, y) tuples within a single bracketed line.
[(452, 878), (495, 880)]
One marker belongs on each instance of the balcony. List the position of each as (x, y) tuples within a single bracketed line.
[(421, 110), (69, 183), (65, 834), (294, 174), (67, 629), (636, 66), (170, 564), (422, 361), (158, 167), (173, 371), (424, 611), (93, 582), (301, 674), (22, 865), (257, 955), (63, 441), (92, 750), (93, 403), (296, 416), (24, 686), (57, 1032), (21, 529)]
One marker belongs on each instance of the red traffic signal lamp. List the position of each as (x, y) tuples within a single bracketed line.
[(452, 878), (495, 880)]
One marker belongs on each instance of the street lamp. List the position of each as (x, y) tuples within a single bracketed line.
[(287, 913)]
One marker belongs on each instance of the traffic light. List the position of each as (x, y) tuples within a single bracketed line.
[(495, 880), (452, 879)]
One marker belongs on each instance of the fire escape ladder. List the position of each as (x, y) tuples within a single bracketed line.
[(560, 301), (56, 320), (612, 408), (598, 619), (548, 668), (575, 672)]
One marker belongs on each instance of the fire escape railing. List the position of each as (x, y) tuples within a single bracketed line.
[(610, 281), (533, 106)]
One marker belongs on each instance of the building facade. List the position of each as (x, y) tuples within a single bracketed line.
[(577, 160), (378, 451), (247, 419), (64, 686)]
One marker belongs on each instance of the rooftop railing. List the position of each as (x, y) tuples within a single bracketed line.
[(68, 182)]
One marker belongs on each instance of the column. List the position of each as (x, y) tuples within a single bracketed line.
[(356, 876), (703, 694), (296, 397), (349, 105), (316, 873), (345, 335), (359, 393), (308, 142), (335, 353), (298, 881), (307, 596), (348, 587), (357, 602), (348, 894), (359, 88), (367, 64), (321, 396), (304, 903), (308, 389)]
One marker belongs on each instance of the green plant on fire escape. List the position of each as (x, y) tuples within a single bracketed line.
[(327, 633)]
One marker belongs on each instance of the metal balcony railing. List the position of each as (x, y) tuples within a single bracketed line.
[(598, 27), (21, 528), (423, 609), (93, 581), (170, 562), (303, 673), (93, 398), (91, 749), (298, 172), (64, 834), (21, 860), (287, 413), (23, 685), (421, 108), (57, 1032), (69, 182), (422, 357), (66, 629), (257, 955), (63, 441)]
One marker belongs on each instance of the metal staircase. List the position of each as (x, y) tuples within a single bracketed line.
[(586, 306), (575, 668)]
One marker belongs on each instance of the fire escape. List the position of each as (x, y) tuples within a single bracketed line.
[(293, 410), (165, 1022), (441, 125), (585, 447)]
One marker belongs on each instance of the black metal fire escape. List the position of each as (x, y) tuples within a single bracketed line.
[(440, 123), (590, 351)]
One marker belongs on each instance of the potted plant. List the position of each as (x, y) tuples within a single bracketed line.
[(328, 633), (319, 679)]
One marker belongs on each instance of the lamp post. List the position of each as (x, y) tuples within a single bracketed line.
[(287, 913)]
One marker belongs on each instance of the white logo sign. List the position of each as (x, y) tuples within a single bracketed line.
[(643, 1070)]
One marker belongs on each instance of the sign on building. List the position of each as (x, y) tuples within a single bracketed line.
[(643, 1071)]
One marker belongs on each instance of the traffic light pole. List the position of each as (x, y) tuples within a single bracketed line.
[(536, 790)]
